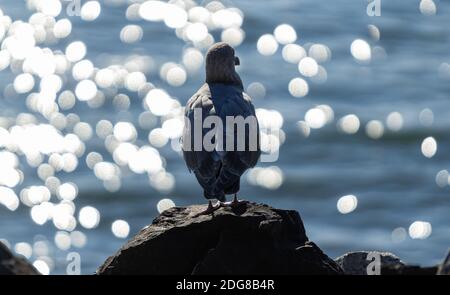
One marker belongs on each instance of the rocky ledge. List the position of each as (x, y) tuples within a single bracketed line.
[(249, 239), (362, 263), (13, 265)]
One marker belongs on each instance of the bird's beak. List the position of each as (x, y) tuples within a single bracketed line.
[(237, 62)]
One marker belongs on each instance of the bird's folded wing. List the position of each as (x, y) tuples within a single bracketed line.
[(197, 159), (228, 101), (238, 160)]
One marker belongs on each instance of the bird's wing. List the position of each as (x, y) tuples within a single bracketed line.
[(238, 103), (197, 160), (229, 101)]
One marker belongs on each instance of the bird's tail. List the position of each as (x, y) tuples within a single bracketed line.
[(227, 182)]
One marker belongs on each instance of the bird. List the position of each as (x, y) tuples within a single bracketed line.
[(218, 169)]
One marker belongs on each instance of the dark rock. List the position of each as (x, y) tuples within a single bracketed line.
[(13, 265), (408, 270), (355, 263), (444, 268), (249, 239)]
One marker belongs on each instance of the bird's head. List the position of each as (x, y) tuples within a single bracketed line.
[(220, 65)]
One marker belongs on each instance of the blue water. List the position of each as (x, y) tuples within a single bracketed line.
[(394, 182)]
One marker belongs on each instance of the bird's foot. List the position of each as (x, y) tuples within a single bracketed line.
[(234, 203), (210, 209)]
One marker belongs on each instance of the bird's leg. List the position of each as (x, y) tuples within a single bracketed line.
[(236, 202), (210, 209)]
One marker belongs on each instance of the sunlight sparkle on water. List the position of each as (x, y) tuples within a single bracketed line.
[(196, 32), (420, 230), (176, 76), (315, 118), (398, 235), (90, 11), (41, 213), (124, 131), (131, 34), (192, 59), (86, 90), (308, 67), (349, 124), (394, 121), (49, 7), (285, 34), (105, 170), (153, 10), (67, 191), (83, 70), (135, 80), (233, 36), (8, 198), (23, 249), (375, 129), (429, 147), (347, 204), (427, 7), (78, 239), (269, 178), (159, 102), (256, 90), (298, 87), (267, 45), (426, 117), (164, 205), (42, 267), (175, 16), (158, 138), (442, 178), (303, 128), (293, 53), (62, 240), (23, 83), (120, 228), (62, 28), (89, 217), (320, 53), (374, 32), (360, 50), (75, 51)]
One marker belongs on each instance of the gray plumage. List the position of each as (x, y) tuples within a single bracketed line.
[(219, 172)]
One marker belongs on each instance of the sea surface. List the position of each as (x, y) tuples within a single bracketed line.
[(394, 183)]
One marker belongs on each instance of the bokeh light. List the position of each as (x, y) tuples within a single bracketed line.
[(361, 50), (267, 45), (89, 217), (347, 204), (429, 147), (120, 229), (164, 205)]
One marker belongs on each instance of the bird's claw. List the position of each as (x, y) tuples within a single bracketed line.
[(210, 209), (233, 204)]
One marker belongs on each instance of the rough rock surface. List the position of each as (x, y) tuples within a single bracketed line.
[(250, 239), (444, 268), (355, 263), (12, 265), (408, 270)]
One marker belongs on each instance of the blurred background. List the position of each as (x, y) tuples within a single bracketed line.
[(356, 107)]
